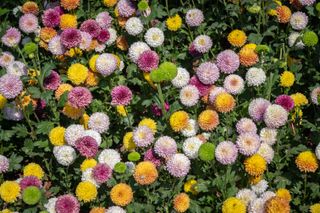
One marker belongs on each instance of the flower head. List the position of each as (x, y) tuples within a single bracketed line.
[(86, 191), (181, 202), (10, 86), (31, 195), (126, 8), (50, 18), (165, 146), (148, 60), (275, 116), (99, 122), (28, 23), (67, 204), (30, 181), (12, 37), (33, 169), (9, 191), (202, 43), (255, 76), (178, 165), (79, 97), (194, 17), (4, 164), (208, 73), (179, 120), (154, 37), (237, 38), (145, 173), (121, 194), (52, 81), (143, 136), (228, 61), (70, 37), (307, 162), (174, 23), (87, 146), (106, 64), (255, 165)]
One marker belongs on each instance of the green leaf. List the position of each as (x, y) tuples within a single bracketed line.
[(44, 127), (35, 92)]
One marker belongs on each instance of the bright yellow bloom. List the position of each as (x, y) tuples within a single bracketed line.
[(109, 3), (6, 211), (179, 120), (88, 163), (33, 169), (237, 38), (147, 77), (208, 120), (92, 62), (315, 208), (121, 194), (68, 21), (145, 173), (287, 79), (3, 101), (121, 110), (128, 141), (307, 162), (224, 102), (255, 165), (74, 52), (181, 202), (277, 205), (149, 123), (9, 191), (284, 193), (56, 136), (174, 23), (233, 205), (62, 89), (77, 73), (84, 120), (299, 99), (190, 186), (86, 191), (71, 112)]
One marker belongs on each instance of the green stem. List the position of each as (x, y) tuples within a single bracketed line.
[(305, 186), (22, 56), (167, 7), (40, 79), (129, 121), (161, 99)]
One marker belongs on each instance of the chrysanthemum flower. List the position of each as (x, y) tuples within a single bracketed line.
[(307, 162), (86, 191), (9, 191), (70, 4), (121, 194), (182, 78), (194, 17), (34, 170), (277, 204), (294, 40), (191, 147), (99, 122), (104, 20), (275, 116), (298, 20), (178, 165), (10, 86), (228, 61), (233, 204), (149, 123), (121, 95), (50, 18), (255, 76), (284, 193), (113, 36), (31, 195), (315, 94), (68, 21), (255, 165), (136, 49), (11, 37), (6, 58), (307, 2), (77, 73), (98, 210), (248, 56), (55, 46), (56, 136), (110, 157), (246, 196), (67, 204), (287, 79), (257, 108), (181, 202), (299, 99), (143, 136), (106, 64), (12, 112), (87, 146), (266, 152), (134, 26), (189, 95), (174, 23), (179, 120), (79, 97), (126, 8), (233, 84), (208, 120), (224, 102), (154, 37), (65, 155), (208, 73), (72, 112), (30, 7), (191, 129), (248, 143), (70, 37), (315, 208), (148, 60), (283, 14), (268, 135), (4, 164), (285, 101), (246, 125), (28, 23), (237, 38), (226, 152), (145, 173), (202, 43)]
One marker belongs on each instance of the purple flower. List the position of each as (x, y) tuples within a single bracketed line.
[(87, 146), (6, 58), (30, 181), (41, 105), (193, 51), (285, 101), (104, 20), (10, 86), (228, 61), (165, 146), (101, 173), (208, 73), (92, 27), (4, 164), (148, 60), (70, 37), (51, 18), (12, 112), (28, 23), (59, 10), (157, 111), (12, 37), (126, 8), (52, 81), (67, 204), (203, 89), (194, 17), (257, 108), (103, 36), (299, 20), (149, 155), (79, 97), (121, 95)]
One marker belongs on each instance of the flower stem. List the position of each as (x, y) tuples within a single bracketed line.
[(22, 56), (129, 121), (161, 99)]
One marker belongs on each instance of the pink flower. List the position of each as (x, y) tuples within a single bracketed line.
[(148, 60), (103, 36), (121, 95), (67, 204), (156, 110), (203, 89), (12, 37), (285, 101), (79, 97), (151, 156), (101, 173), (92, 27), (87, 146), (52, 81), (51, 18), (70, 37), (30, 181)]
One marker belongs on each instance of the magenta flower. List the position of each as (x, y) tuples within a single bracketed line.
[(121, 95), (52, 81), (193, 52), (104, 20), (101, 173), (67, 204), (4, 164), (149, 155), (92, 27), (28, 23), (51, 18), (70, 37), (203, 89), (148, 60), (103, 36), (285, 101), (79, 97), (87, 146), (157, 111), (12, 37), (30, 181)]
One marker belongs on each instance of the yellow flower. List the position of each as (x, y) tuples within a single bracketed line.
[(315, 208), (284, 193), (181, 202), (128, 141), (68, 21), (277, 205), (33, 169), (287, 79), (6, 211), (9, 191), (62, 89), (92, 62), (237, 38), (77, 73), (109, 3), (283, 14), (253, 180), (247, 55), (174, 23), (71, 112), (74, 52), (56, 136), (147, 77), (3, 101), (88, 163), (149, 123), (121, 194), (84, 120), (179, 120), (98, 210), (86, 191), (92, 79), (121, 110), (190, 186), (299, 99), (233, 205), (145, 173), (307, 161), (224, 102), (208, 120), (255, 165)]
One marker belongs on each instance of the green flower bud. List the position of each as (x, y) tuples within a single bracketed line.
[(134, 156), (29, 48), (31, 55), (169, 70), (120, 167), (262, 48), (206, 151), (143, 5), (254, 9), (318, 7), (31, 195), (310, 38)]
